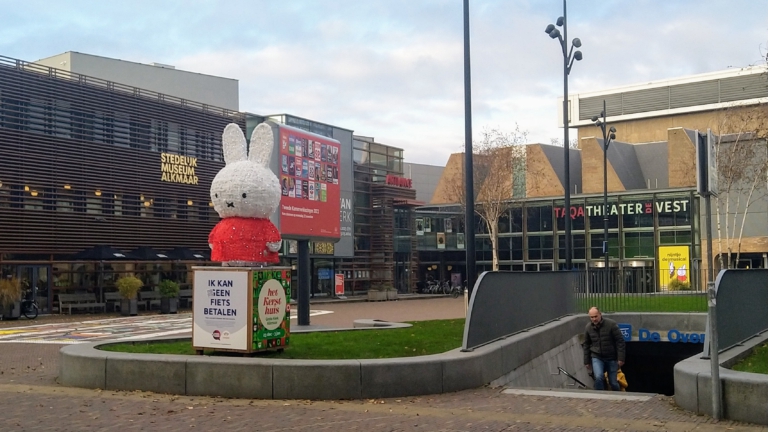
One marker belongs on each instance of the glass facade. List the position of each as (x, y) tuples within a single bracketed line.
[(531, 233)]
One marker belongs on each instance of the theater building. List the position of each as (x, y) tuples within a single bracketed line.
[(655, 210)]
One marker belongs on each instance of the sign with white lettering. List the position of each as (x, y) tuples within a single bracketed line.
[(220, 311), (272, 309), (635, 208)]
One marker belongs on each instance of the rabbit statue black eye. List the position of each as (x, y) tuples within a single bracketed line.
[(244, 195), (216, 195)]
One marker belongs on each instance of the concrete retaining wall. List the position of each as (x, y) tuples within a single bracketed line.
[(744, 395), (83, 365)]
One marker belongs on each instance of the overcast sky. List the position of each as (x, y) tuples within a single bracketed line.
[(393, 69)]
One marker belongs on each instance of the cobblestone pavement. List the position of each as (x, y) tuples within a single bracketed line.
[(31, 400)]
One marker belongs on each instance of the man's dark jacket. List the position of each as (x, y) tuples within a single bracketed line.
[(603, 340)]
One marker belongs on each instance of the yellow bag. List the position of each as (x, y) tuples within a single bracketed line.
[(620, 378)]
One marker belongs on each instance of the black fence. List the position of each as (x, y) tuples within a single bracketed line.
[(633, 290)]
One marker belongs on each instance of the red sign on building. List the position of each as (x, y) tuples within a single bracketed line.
[(309, 178), (394, 180)]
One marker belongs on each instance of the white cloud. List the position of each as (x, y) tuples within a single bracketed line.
[(393, 69)]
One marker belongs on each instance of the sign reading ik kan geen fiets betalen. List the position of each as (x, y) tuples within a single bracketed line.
[(220, 310), (272, 310), (178, 169), (310, 176)]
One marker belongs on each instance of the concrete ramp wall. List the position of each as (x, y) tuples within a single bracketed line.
[(543, 371)]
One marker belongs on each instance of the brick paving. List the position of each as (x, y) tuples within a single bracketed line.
[(31, 400)]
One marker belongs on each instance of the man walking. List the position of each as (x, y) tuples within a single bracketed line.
[(604, 349)]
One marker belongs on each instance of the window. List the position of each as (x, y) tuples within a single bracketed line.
[(638, 245), (596, 245), (577, 215), (539, 219), (673, 211), (540, 247), (637, 213), (594, 211), (517, 219), (516, 248), (578, 244), (675, 237)]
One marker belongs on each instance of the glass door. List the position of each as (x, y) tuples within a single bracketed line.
[(36, 285)]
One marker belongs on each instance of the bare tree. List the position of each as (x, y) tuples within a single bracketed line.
[(499, 165), (742, 164)]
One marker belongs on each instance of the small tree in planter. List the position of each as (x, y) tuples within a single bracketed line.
[(169, 296), (377, 292), (10, 298), (129, 286), (391, 292)]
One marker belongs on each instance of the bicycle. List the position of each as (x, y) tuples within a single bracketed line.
[(28, 307)]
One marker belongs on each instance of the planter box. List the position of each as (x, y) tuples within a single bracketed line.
[(392, 295), (129, 307), (12, 311), (377, 296), (169, 305)]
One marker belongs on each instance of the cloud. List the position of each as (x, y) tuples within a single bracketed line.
[(393, 69)]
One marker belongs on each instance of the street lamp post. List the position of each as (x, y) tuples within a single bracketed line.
[(568, 58), (609, 134)]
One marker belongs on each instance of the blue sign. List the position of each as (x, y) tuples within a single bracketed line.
[(324, 273), (673, 336), (626, 331)]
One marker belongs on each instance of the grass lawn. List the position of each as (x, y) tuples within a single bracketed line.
[(425, 337), (644, 303), (757, 362)]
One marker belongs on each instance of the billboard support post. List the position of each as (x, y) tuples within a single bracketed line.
[(304, 282)]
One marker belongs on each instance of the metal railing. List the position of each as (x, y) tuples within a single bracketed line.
[(633, 290)]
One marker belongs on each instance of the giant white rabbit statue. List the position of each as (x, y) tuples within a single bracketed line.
[(245, 193)]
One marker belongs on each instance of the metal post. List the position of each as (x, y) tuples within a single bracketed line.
[(304, 282), (605, 206), (714, 359), (566, 144), (606, 143), (469, 225)]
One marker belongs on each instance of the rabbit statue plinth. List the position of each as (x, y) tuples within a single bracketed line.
[(245, 193)]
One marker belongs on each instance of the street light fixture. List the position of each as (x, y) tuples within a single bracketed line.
[(569, 56), (609, 134)]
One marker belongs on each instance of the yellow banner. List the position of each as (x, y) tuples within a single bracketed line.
[(674, 267)]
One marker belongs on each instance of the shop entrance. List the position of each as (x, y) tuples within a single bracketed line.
[(36, 285)]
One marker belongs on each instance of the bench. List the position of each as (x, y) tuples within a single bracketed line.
[(185, 295), (113, 299), (150, 298), (79, 301)]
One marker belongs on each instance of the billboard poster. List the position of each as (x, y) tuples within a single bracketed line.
[(460, 240), (220, 310), (674, 265), (310, 205), (271, 308), (339, 284), (441, 240), (419, 226)]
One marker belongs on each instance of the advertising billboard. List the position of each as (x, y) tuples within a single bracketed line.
[(674, 265), (309, 172)]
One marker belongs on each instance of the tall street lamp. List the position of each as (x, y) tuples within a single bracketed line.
[(568, 58), (608, 136)]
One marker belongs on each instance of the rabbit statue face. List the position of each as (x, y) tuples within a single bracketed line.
[(246, 187)]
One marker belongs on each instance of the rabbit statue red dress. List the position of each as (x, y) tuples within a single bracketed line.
[(245, 193)]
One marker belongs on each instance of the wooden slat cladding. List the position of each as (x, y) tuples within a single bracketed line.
[(81, 159)]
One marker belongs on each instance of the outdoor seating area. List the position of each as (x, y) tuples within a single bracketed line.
[(79, 301)]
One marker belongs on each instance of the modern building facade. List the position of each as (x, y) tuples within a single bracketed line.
[(89, 162)]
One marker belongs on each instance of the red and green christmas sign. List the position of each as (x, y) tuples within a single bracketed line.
[(271, 308)]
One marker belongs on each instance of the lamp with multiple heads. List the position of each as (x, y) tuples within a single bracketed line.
[(569, 56), (609, 134)]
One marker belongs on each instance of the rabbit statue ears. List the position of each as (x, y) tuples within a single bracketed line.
[(235, 147)]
